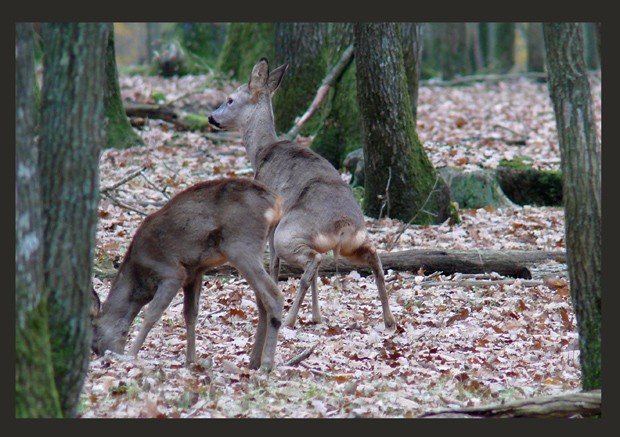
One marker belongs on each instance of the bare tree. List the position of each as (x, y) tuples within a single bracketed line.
[(35, 393), (71, 136), (581, 170)]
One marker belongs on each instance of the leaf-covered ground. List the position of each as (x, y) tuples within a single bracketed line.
[(455, 346)]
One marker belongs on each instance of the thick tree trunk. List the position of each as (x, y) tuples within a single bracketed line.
[(581, 169), (300, 45), (118, 131), (35, 393), (399, 177), (70, 140)]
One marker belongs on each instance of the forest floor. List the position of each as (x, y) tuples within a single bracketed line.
[(456, 346)]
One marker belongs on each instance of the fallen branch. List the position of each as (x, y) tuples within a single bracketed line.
[(580, 404), (302, 356), (482, 78), (327, 83), (481, 283), (511, 263), (123, 180)]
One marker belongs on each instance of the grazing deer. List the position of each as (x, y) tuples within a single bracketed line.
[(200, 228), (320, 211)]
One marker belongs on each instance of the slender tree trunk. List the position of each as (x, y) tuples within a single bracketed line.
[(452, 50), (245, 43), (118, 131), (35, 392), (71, 136), (399, 175), (411, 44), (535, 48), (581, 169), (300, 45)]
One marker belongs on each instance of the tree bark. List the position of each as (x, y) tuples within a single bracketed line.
[(71, 136), (580, 149), (118, 131), (583, 404), (35, 393), (505, 47), (399, 177)]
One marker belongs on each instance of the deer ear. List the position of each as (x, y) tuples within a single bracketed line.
[(259, 75), (275, 77)]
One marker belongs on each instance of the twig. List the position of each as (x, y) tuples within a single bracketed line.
[(123, 205), (161, 190), (525, 137), (327, 83), (387, 194), (125, 179), (302, 356), (402, 229), (318, 372), (480, 78)]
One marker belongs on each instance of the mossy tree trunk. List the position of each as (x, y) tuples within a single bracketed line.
[(301, 46), (581, 169), (71, 137), (245, 43), (118, 131), (339, 131), (448, 50), (398, 175), (35, 392)]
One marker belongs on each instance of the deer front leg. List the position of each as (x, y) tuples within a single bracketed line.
[(166, 291)]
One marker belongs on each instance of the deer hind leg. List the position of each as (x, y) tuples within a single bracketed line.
[(307, 279), (190, 311), (367, 254), (166, 291), (269, 301)]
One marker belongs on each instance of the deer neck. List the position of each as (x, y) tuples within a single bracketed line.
[(260, 132)]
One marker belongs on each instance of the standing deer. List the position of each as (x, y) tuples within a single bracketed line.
[(200, 228), (320, 211)]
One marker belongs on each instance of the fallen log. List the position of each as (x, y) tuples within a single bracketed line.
[(580, 404), (513, 263)]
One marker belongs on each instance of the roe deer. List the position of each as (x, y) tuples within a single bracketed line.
[(320, 211), (200, 228)]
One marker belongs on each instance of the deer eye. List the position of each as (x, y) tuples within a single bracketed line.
[(229, 101)]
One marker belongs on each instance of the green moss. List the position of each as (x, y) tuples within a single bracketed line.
[(526, 186), (195, 121), (245, 43)]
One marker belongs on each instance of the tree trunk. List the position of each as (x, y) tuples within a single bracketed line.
[(339, 122), (245, 43), (535, 48), (300, 45), (70, 140), (399, 177), (452, 50), (118, 131), (411, 43), (504, 53), (35, 393), (581, 169)]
